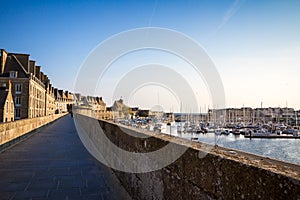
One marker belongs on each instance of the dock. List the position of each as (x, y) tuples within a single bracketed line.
[(273, 136)]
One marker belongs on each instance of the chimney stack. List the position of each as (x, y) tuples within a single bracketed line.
[(32, 67), (3, 55), (42, 76), (8, 86), (37, 71)]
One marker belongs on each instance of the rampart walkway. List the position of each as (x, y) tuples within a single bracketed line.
[(53, 164)]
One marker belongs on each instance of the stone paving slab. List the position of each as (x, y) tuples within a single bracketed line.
[(53, 164)]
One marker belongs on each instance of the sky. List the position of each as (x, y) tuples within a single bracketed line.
[(255, 45)]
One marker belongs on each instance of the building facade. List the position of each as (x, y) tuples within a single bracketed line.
[(32, 92), (7, 107), (248, 115), (63, 100)]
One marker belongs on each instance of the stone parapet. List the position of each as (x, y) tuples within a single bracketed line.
[(221, 174), (10, 131)]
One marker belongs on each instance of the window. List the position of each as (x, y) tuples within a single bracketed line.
[(18, 113), (6, 106), (18, 88), (12, 107), (18, 101), (13, 74)]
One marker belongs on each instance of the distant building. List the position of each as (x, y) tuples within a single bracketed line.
[(62, 100), (109, 114), (7, 107), (252, 115), (77, 98), (49, 99), (98, 106), (133, 112), (120, 110), (169, 116), (144, 113)]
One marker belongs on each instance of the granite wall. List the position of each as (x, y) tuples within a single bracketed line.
[(10, 131), (202, 172)]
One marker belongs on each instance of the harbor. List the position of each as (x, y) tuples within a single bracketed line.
[(269, 132), (276, 141)]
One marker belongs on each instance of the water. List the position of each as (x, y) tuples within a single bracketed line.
[(281, 149)]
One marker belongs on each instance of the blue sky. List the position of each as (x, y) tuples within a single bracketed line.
[(254, 44)]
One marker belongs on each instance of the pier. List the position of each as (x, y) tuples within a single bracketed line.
[(53, 164), (273, 136)]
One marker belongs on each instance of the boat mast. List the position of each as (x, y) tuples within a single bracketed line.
[(244, 114)]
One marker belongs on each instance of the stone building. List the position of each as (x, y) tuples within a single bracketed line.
[(143, 113), (169, 116), (62, 100), (49, 100), (248, 115), (7, 107), (98, 106), (29, 91), (120, 110)]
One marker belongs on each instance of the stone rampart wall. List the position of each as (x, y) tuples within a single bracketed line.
[(203, 171), (13, 130)]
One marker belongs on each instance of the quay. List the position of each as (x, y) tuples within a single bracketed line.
[(53, 164), (273, 136)]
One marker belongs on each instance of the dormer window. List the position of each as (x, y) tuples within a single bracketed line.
[(13, 74)]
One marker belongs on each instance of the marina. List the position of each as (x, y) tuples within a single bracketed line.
[(279, 144)]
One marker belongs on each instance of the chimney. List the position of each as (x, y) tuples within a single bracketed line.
[(8, 86), (42, 76), (55, 93), (37, 71), (50, 88), (46, 80), (32, 67), (3, 55)]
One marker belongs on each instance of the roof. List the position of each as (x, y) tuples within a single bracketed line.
[(13, 64), (3, 97), (118, 105), (62, 94)]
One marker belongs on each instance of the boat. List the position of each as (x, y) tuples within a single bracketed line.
[(296, 133), (288, 131), (180, 129), (225, 132), (236, 131), (160, 127), (259, 132), (218, 131)]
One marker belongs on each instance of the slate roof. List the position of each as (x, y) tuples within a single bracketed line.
[(13, 64), (3, 96)]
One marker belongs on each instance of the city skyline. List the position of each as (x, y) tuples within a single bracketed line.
[(254, 45)]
